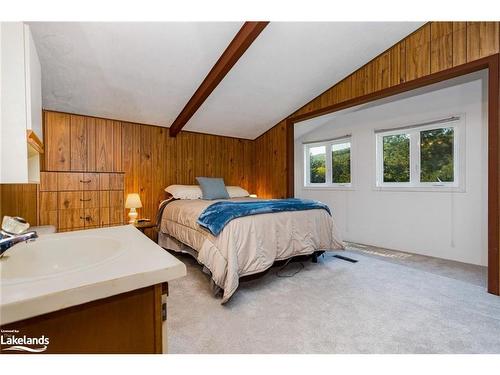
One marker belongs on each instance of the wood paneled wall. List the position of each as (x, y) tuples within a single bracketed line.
[(153, 160), (434, 47), (19, 200), (271, 163), (150, 158)]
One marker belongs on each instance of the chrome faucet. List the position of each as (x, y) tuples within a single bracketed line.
[(9, 239)]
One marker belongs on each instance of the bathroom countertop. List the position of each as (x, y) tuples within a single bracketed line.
[(135, 262)]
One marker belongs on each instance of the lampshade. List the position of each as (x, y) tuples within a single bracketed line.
[(133, 201)]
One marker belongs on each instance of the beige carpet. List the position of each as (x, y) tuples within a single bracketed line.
[(381, 304)]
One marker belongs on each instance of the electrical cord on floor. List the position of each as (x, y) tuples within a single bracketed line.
[(282, 268)]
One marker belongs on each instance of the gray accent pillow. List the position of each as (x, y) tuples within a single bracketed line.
[(213, 188)]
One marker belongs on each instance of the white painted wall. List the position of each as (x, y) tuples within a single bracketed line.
[(451, 225)]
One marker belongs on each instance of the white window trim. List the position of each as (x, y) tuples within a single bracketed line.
[(458, 185), (328, 185)]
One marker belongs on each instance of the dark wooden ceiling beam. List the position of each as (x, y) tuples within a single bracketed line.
[(240, 43)]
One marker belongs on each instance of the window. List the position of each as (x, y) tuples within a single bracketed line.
[(328, 164), (420, 157)]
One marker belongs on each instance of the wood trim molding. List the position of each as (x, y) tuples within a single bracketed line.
[(240, 43), (34, 141), (492, 64)]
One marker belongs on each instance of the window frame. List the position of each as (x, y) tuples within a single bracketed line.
[(328, 164), (458, 183)]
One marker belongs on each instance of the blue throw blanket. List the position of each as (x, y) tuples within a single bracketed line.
[(216, 216)]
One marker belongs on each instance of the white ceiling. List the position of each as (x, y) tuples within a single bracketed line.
[(139, 72), (146, 72)]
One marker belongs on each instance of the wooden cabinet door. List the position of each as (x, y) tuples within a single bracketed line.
[(104, 145), (91, 144), (117, 146), (69, 181), (57, 137), (107, 145), (78, 143)]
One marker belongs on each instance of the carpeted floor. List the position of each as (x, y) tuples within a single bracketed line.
[(385, 303)]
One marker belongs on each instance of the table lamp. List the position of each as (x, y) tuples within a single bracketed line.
[(133, 201)]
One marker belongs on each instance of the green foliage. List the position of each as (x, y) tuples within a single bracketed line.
[(436, 155), (341, 166), (318, 168), (396, 158)]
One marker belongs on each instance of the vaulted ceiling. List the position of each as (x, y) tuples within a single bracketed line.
[(147, 72)]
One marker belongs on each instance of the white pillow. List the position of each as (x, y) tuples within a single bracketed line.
[(184, 191), (236, 192)]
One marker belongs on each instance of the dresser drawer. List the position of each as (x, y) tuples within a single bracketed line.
[(90, 181), (116, 199), (111, 181), (48, 208), (91, 199), (92, 217), (71, 219), (48, 181), (70, 200), (116, 215), (69, 181)]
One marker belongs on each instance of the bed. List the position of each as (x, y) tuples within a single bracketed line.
[(246, 245)]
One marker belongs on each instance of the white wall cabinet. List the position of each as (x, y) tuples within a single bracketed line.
[(20, 105)]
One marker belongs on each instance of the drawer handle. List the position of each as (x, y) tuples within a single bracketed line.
[(88, 218), (85, 200), (85, 181)]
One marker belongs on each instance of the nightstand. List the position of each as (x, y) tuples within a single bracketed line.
[(142, 226)]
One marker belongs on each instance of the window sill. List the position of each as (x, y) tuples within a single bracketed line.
[(422, 189), (328, 187)]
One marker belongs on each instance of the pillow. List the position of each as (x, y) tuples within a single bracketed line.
[(184, 191), (237, 192), (212, 188)]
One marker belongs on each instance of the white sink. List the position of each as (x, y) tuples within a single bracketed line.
[(53, 255), (61, 270)]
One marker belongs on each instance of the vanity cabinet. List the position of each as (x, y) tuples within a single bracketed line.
[(72, 200), (128, 323), (21, 105)]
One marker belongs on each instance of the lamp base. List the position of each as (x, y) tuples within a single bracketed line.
[(132, 216)]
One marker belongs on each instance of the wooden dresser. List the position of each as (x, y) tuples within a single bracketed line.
[(81, 200)]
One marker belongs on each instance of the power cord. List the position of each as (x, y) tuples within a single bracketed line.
[(282, 268)]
